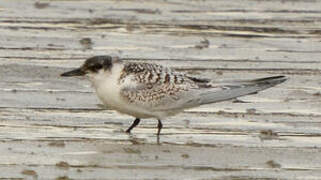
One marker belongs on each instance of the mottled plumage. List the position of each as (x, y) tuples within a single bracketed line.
[(153, 86), (146, 90)]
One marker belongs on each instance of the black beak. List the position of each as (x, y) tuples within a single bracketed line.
[(75, 72)]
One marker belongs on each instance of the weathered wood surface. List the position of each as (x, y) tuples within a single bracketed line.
[(53, 127)]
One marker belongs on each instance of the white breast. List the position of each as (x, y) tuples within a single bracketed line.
[(107, 87), (108, 90)]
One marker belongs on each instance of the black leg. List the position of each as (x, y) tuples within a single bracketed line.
[(135, 123), (160, 126), (158, 142)]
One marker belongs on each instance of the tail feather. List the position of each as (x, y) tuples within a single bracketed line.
[(271, 80), (230, 90)]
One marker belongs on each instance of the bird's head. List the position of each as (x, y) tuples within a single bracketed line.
[(92, 66)]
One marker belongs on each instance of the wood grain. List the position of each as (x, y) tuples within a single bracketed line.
[(53, 127)]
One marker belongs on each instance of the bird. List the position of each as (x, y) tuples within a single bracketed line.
[(149, 90)]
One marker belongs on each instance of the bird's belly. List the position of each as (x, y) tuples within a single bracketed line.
[(130, 110), (114, 101), (139, 112), (134, 112)]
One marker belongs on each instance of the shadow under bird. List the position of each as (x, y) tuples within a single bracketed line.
[(146, 90)]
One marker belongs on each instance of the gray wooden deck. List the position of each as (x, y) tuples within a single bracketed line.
[(55, 128)]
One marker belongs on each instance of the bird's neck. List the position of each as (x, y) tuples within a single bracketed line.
[(106, 78)]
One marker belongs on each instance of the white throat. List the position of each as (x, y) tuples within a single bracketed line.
[(99, 78), (106, 84)]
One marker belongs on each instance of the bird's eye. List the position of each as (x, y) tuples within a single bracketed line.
[(95, 67)]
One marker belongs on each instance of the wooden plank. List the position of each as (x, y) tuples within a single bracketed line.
[(53, 127), (107, 160)]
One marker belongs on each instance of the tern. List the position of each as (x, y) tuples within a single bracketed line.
[(148, 90)]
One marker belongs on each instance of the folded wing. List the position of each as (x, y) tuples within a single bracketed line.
[(158, 88), (231, 89)]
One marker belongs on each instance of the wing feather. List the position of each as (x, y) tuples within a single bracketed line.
[(157, 87)]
